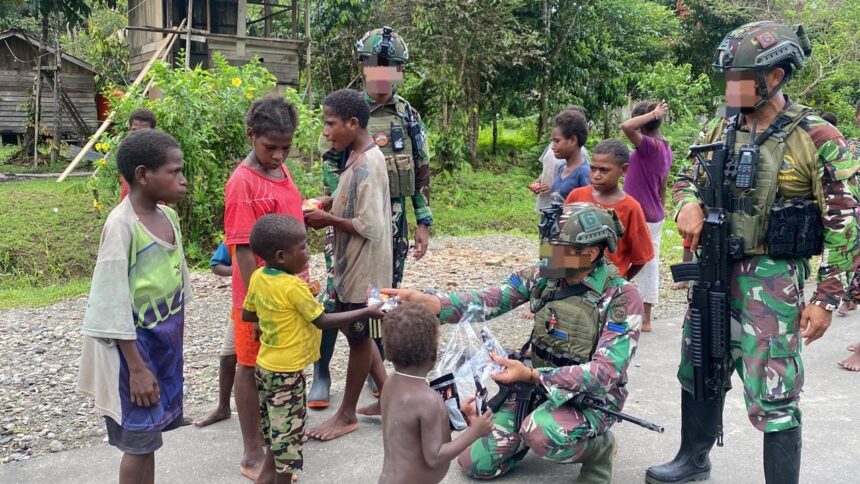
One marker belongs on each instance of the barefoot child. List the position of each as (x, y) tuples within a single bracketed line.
[(260, 185), (361, 219), (608, 164), (131, 362), (222, 265), (415, 431), (289, 320)]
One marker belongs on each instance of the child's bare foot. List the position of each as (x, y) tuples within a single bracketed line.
[(680, 286), (852, 363), (210, 418), (846, 306), (371, 410), (336, 426), (646, 326), (251, 470)]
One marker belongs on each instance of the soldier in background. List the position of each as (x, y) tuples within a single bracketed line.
[(397, 130)]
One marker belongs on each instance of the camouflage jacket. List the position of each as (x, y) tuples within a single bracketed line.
[(833, 181), (333, 160), (620, 320)]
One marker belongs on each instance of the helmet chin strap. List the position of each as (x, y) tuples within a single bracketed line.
[(762, 89)]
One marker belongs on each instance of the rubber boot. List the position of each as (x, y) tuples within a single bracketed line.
[(782, 457), (318, 396), (699, 422), (597, 460)]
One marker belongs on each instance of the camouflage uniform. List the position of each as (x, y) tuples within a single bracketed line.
[(556, 431), (767, 293), (282, 416), (853, 291)]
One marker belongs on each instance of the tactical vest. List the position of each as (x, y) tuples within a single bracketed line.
[(749, 209), (390, 132), (566, 330)]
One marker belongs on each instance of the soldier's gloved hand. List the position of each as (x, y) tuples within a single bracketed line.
[(689, 222), (814, 322)]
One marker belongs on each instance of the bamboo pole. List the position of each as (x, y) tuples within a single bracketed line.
[(165, 47)]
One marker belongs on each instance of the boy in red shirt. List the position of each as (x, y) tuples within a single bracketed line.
[(608, 164)]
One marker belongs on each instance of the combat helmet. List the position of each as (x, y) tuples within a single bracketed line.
[(761, 46), (384, 43), (586, 224)]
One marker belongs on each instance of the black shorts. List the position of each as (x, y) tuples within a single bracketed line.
[(135, 441), (359, 329)]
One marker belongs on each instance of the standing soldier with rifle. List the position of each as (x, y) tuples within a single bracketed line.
[(771, 189), (587, 320)]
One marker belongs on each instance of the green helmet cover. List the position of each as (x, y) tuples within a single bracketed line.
[(384, 43), (761, 46), (585, 224)]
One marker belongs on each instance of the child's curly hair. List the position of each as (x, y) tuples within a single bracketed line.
[(410, 335), (272, 114)]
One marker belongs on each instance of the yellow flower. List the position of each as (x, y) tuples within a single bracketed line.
[(102, 163), (97, 205), (236, 82), (249, 94)]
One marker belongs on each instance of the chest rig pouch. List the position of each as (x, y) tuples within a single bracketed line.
[(754, 174), (387, 127), (567, 324)]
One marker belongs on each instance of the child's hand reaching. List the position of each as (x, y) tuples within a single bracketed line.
[(375, 311), (468, 408), (483, 425)]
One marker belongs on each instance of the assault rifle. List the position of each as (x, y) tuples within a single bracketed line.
[(709, 324), (529, 397)]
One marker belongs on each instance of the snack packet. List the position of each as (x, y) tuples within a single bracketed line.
[(467, 358), (376, 297), (311, 204)]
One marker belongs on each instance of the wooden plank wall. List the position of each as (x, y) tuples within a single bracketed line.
[(281, 59), (17, 74), (142, 44)]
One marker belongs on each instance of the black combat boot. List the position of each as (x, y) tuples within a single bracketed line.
[(318, 396), (782, 457), (699, 422)]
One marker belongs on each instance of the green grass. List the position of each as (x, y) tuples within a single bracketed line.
[(469, 203), (50, 294), (49, 237)]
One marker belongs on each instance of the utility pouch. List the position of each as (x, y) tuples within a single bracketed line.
[(795, 229)]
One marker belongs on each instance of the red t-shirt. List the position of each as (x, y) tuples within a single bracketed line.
[(635, 246), (248, 196), (123, 188)]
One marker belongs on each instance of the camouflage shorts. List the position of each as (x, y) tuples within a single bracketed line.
[(282, 414), (766, 304)]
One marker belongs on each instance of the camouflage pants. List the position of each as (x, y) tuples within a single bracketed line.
[(399, 244), (557, 434), (852, 290), (766, 304), (282, 415)]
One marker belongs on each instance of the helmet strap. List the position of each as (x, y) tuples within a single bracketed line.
[(762, 89)]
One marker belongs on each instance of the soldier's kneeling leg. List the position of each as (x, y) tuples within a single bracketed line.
[(497, 453), (559, 434)]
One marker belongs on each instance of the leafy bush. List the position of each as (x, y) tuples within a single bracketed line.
[(205, 111)]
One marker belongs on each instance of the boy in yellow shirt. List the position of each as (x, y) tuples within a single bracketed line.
[(288, 320)]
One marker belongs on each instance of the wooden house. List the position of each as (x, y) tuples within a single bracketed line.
[(217, 25), (18, 58)]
